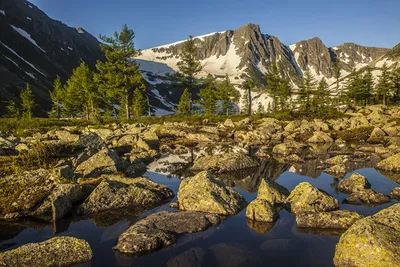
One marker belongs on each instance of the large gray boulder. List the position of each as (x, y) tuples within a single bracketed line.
[(224, 162), (306, 198), (163, 229), (116, 192), (58, 251), (372, 241), (203, 192)]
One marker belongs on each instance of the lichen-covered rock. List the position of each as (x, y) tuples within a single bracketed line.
[(356, 182), (224, 162), (395, 193), (320, 137), (337, 170), (306, 198), (292, 159), (163, 229), (58, 251), (273, 192), (372, 241), (204, 192), (103, 162), (390, 164), (377, 135), (339, 219), (288, 148), (118, 193), (367, 197), (337, 160), (261, 210)]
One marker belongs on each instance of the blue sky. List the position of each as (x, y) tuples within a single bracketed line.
[(157, 22)]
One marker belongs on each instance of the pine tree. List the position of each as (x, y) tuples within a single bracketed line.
[(227, 94), (284, 93), (306, 90), (384, 86), (248, 85), (209, 96), (118, 76), (12, 109), (189, 64), (354, 86), (57, 96), (139, 103), (27, 101), (367, 87), (273, 84), (81, 93), (184, 103), (260, 109), (395, 79), (321, 95)]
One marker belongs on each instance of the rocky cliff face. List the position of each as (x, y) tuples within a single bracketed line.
[(35, 48)]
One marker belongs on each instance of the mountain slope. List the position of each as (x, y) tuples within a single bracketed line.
[(35, 48)]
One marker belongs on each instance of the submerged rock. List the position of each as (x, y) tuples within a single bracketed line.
[(224, 162), (163, 229), (306, 198), (203, 192), (392, 163), (339, 219), (262, 211), (58, 251), (193, 257), (118, 193), (372, 241), (356, 182), (367, 197)]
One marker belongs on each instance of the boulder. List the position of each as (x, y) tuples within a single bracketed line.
[(337, 170), (224, 162), (306, 198), (91, 141), (377, 135), (103, 162), (57, 251), (320, 137), (64, 172), (262, 211), (390, 164), (65, 136), (203, 192), (395, 193), (288, 148), (229, 123), (273, 192), (162, 229), (356, 182), (372, 241), (339, 219), (367, 197), (336, 160), (116, 192), (194, 257)]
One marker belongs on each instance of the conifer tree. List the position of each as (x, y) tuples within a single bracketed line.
[(189, 64), (118, 76), (354, 86), (384, 86), (260, 109), (209, 96), (27, 101), (81, 93), (184, 103), (284, 93), (273, 84), (248, 85), (57, 96), (395, 79), (321, 95), (306, 90), (227, 94), (139, 103), (336, 72), (12, 109), (367, 87)]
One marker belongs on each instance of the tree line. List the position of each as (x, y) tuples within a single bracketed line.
[(116, 88)]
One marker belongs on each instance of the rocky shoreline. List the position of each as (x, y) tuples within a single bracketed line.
[(103, 173)]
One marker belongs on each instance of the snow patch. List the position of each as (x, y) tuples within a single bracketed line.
[(388, 62), (70, 48), (201, 37), (335, 48), (27, 36), (28, 18), (12, 61), (292, 47), (30, 6), (31, 75), (15, 53), (162, 99), (2, 12), (161, 112)]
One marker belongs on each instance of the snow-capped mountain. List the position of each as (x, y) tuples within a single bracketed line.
[(35, 48), (247, 52)]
